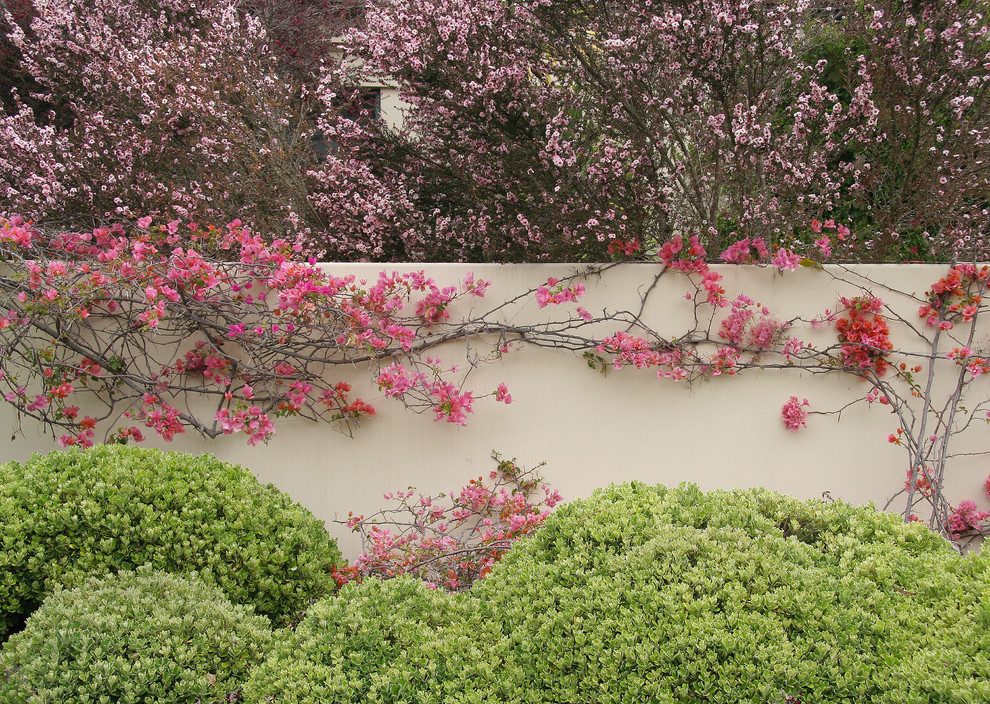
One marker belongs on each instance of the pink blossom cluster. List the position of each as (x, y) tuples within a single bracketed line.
[(475, 287), (725, 360), (691, 259), (502, 394), (956, 296), (741, 251), (628, 350), (674, 254), (448, 402), (974, 364), (160, 416), (792, 347), (251, 421), (921, 478), (84, 435), (258, 318), (553, 293), (794, 415), (395, 380), (449, 542), (824, 243), (627, 247), (966, 518), (785, 260), (865, 334), (744, 328), (207, 361), (341, 407), (452, 404)]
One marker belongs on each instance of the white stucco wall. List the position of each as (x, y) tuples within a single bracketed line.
[(594, 428)]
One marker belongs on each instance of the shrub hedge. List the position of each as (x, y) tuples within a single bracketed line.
[(379, 641), (70, 515), (644, 593), (652, 594), (142, 637)]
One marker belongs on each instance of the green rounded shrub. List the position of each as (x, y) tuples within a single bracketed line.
[(70, 515), (671, 595), (379, 641), (133, 638), (650, 594)]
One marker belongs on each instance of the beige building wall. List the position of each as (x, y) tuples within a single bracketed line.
[(593, 428), (392, 108)]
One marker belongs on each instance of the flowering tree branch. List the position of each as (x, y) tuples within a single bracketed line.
[(174, 327), (451, 546)]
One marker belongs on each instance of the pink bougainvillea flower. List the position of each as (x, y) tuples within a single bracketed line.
[(502, 394), (786, 260), (794, 415), (965, 518)]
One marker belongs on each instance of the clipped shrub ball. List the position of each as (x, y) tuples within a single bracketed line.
[(134, 638), (380, 641), (648, 594), (70, 515), (671, 595)]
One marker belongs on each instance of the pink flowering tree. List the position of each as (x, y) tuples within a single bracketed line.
[(556, 130), (553, 130), (194, 110), (534, 130), (12, 76), (910, 175), (302, 33)]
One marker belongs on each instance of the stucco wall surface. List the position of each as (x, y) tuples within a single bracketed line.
[(593, 428)]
